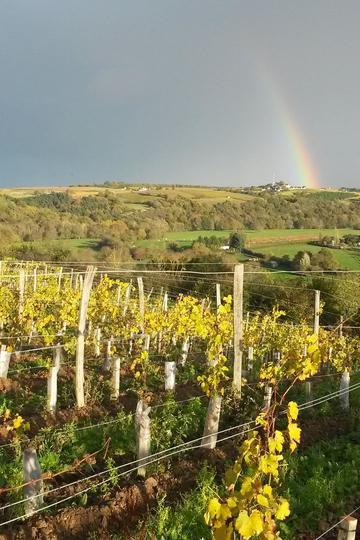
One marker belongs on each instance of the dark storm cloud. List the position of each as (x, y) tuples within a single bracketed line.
[(173, 91)]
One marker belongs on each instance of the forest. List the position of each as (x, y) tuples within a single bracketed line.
[(106, 216)]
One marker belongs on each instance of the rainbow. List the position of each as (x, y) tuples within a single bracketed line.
[(306, 171)]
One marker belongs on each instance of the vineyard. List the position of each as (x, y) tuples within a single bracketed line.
[(118, 386)]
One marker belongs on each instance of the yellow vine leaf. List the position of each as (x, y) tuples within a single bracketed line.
[(249, 525), (262, 500), (283, 510), (214, 508), (294, 434), (276, 442), (293, 410)]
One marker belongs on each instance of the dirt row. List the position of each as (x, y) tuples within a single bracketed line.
[(122, 510)]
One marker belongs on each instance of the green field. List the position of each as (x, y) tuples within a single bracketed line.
[(71, 243), (347, 259), (254, 239)]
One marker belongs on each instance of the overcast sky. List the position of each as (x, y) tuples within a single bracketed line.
[(187, 91)]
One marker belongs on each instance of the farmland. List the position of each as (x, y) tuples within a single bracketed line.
[(254, 238), (270, 242), (137, 197), (129, 408), (131, 394)]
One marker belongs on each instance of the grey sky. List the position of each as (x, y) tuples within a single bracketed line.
[(187, 91)]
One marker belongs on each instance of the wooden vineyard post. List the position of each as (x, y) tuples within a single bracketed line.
[(185, 351), (218, 295), (4, 362), (247, 321), (80, 343), (116, 364), (164, 308), (141, 301), (52, 389), (250, 365), (72, 278), (97, 341), (344, 389), (127, 298), (165, 301), (330, 353), (21, 290), (212, 420), (107, 360), (341, 325), (60, 278), (32, 477), (317, 313), (57, 354), (238, 325), (347, 528), (143, 434), (267, 397), (118, 296), (308, 392), (146, 345), (170, 376), (35, 279)]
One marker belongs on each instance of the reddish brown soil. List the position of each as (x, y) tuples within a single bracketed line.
[(125, 508), (122, 510)]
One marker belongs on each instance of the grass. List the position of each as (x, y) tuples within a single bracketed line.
[(320, 483), (76, 243), (263, 237), (186, 520), (346, 258)]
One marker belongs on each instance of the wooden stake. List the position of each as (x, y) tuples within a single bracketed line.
[(170, 376), (143, 435), (218, 295), (308, 391), (52, 389), (116, 363), (60, 278), (97, 341), (107, 360), (21, 291), (341, 326), (127, 298), (347, 528), (4, 362), (250, 359), (267, 397), (344, 388), (35, 279), (317, 313), (238, 325), (165, 301), (146, 345), (212, 420), (57, 356), (185, 351), (141, 301), (33, 490), (80, 344)]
